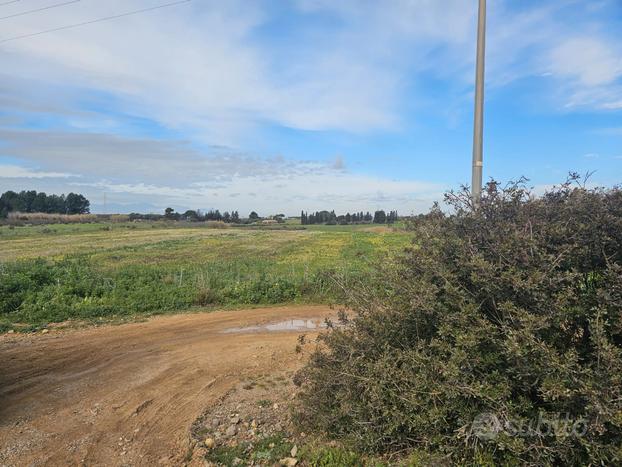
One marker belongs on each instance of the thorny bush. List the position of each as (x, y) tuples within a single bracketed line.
[(512, 309)]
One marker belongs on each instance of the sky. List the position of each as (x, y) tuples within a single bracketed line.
[(283, 105)]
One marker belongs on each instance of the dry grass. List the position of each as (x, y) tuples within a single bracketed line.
[(116, 245), (58, 241), (217, 225), (45, 218)]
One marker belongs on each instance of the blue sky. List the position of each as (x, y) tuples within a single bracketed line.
[(279, 105)]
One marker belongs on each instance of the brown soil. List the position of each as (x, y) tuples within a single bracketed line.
[(128, 395), (254, 413)]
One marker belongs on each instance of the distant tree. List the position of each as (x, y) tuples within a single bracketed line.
[(169, 213), (190, 215), (18, 202), (28, 200), (380, 217), (76, 204), (40, 203), (253, 216), (235, 217), (31, 201), (8, 201), (55, 203), (331, 218), (392, 217)]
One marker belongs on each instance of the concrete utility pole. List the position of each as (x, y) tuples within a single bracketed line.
[(478, 127)]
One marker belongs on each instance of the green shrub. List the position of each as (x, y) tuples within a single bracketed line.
[(40, 291), (17, 279), (497, 318), (332, 457), (265, 451), (263, 289)]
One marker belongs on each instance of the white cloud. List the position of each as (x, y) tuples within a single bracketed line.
[(614, 105), (340, 191), (204, 67), (161, 173), (590, 69), (209, 71), (589, 60), (339, 163), (133, 160), (15, 171), (199, 66)]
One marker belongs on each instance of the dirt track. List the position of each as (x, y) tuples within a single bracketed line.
[(126, 395)]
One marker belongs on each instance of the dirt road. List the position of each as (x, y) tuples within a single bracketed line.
[(126, 395)]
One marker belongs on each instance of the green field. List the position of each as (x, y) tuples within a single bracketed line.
[(92, 271)]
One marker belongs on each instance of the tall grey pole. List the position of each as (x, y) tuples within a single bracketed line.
[(478, 127)]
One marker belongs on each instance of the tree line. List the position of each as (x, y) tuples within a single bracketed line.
[(31, 201), (232, 217), (330, 218)]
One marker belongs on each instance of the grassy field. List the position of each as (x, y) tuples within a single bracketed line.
[(94, 271)]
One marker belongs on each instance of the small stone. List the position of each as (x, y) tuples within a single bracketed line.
[(235, 420), (253, 424), (198, 457), (237, 461), (11, 331), (288, 462), (275, 406), (45, 331), (231, 431), (209, 443), (215, 423), (294, 451), (271, 445)]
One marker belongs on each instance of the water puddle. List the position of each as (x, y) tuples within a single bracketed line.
[(289, 325)]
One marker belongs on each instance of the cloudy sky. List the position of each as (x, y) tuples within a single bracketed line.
[(278, 106)]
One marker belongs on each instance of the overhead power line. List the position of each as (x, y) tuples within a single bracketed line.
[(39, 9), (98, 20), (8, 3)]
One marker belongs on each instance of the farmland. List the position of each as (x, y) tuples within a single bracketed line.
[(103, 271)]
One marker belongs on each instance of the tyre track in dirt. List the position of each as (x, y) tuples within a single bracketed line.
[(127, 394)]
